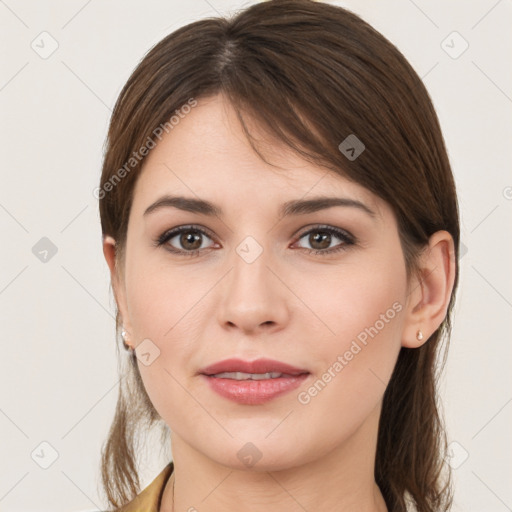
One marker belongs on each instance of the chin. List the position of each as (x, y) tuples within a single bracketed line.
[(259, 455)]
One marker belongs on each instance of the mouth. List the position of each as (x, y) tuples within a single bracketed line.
[(253, 382), (250, 376), (256, 367)]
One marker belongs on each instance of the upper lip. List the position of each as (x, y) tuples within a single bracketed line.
[(257, 366)]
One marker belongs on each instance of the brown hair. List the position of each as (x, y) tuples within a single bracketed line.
[(312, 74)]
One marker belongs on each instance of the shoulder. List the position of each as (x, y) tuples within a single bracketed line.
[(148, 499), (90, 510)]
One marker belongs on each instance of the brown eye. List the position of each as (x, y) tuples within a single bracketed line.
[(321, 238), (190, 240), (185, 240)]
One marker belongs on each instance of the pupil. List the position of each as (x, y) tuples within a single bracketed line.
[(321, 238), (189, 237)]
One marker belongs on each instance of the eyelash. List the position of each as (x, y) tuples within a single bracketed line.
[(345, 236)]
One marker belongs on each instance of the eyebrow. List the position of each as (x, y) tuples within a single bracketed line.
[(294, 207)]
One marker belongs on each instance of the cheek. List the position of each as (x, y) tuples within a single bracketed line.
[(355, 301), (163, 299), (167, 315), (355, 357)]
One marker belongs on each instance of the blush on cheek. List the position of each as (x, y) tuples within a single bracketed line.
[(368, 331), (158, 303)]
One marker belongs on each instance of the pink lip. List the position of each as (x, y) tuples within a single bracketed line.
[(257, 366), (253, 392)]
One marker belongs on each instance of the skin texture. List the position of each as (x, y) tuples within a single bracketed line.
[(299, 308)]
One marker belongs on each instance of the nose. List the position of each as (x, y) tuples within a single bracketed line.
[(252, 297)]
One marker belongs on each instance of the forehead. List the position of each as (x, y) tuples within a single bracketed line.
[(208, 155)]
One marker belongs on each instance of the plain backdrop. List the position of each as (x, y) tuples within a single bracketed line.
[(58, 366)]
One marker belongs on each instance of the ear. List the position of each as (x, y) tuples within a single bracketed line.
[(109, 251), (430, 291)]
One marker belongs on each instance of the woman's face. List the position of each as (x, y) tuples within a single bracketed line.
[(256, 289)]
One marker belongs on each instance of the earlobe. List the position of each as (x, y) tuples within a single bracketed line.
[(431, 290)]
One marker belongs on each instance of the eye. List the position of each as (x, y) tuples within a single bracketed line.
[(321, 237), (188, 238)]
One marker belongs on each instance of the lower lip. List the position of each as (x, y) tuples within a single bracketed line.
[(254, 392)]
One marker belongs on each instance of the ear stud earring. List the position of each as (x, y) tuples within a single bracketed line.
[(127, 345), (419, 335)]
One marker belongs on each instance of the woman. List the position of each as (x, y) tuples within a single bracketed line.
[(281, 225)]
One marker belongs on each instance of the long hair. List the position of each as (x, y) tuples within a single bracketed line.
[(311, 74)]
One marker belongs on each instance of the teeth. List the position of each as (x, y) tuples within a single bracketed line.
[(247, 376)]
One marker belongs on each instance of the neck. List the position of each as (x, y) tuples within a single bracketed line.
[(342, 480)]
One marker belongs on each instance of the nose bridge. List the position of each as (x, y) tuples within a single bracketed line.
[(251, 276), (252, 295)]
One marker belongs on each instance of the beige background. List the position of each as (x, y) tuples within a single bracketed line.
[(58, 369)]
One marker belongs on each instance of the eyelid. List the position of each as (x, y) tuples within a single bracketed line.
[(326, 227), (347, 238), (171, 233)]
